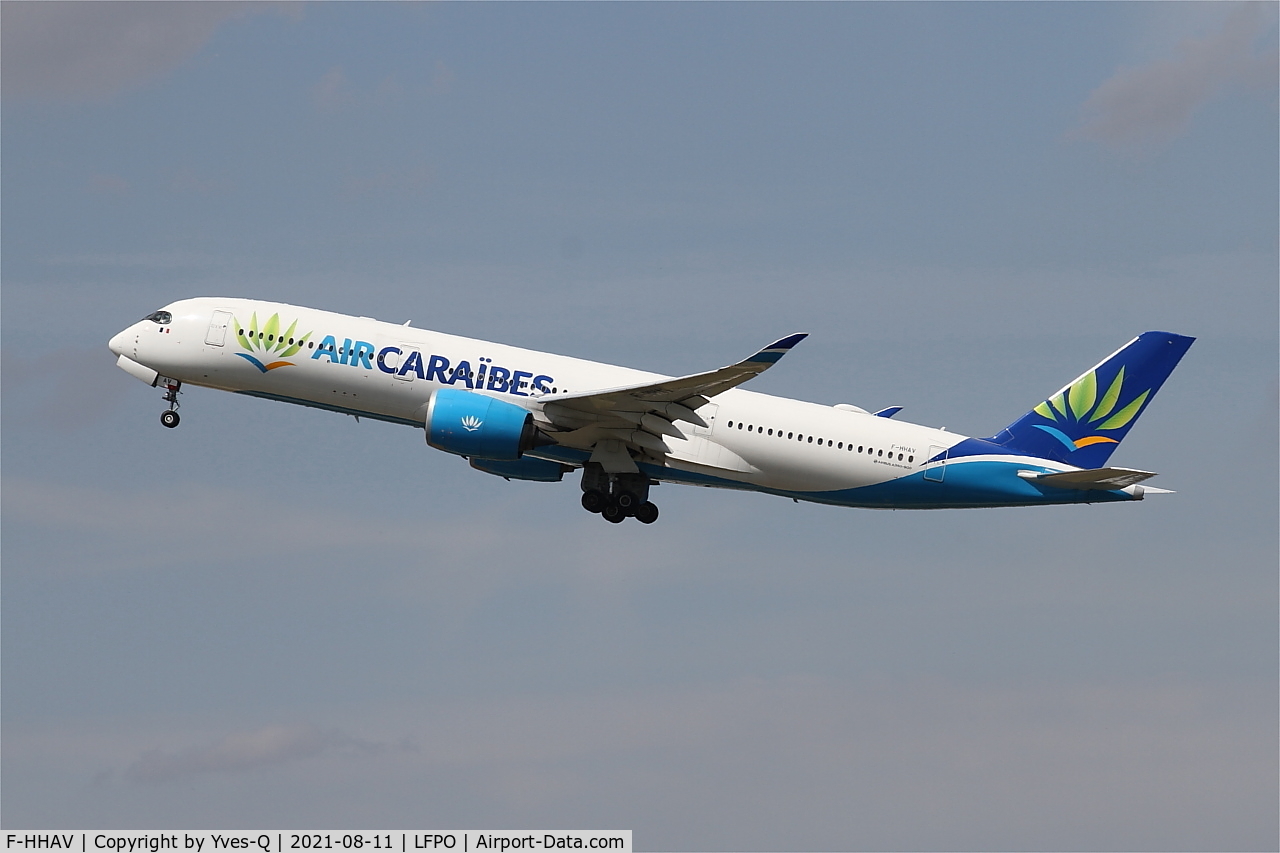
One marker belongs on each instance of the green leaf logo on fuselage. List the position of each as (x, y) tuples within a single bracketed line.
[(267, 347)]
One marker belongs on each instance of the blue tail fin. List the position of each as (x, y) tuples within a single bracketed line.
[(1084, 422)]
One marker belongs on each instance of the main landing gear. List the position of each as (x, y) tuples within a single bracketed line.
[(617, 496), (170, 418)]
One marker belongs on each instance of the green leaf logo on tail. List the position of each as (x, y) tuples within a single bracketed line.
[(1079, 409)]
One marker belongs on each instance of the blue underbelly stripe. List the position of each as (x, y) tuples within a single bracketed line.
[(972, 483)]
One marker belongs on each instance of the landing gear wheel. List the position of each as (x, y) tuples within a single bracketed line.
[(628, 502), (593, 501), (647, 512), (613, 513), (172, 389)]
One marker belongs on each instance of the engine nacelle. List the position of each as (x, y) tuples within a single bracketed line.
[(481, 427), (526, 468)]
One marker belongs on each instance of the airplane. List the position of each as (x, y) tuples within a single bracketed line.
[(528, 415)]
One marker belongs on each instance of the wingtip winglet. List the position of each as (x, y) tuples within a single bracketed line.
[(788, 342), (778, 349)]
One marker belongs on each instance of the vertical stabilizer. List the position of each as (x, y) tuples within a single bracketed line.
[(1084, 422)]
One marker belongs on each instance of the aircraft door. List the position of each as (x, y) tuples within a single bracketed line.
[(405, 351), (937, 470), (217, 334), (708, 414)]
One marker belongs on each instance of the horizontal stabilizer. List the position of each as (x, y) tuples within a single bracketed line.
[(1104, 479)]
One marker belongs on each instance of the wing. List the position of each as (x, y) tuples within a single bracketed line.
[(637, 416)]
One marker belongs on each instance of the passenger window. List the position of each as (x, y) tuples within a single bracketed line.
[(770, 430), (911, 459), (789, 435), (811, 439), (730, 424), (899, 457), (879, 453)]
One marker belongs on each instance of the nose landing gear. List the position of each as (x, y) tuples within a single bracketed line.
[(173, 388), (617, 497)]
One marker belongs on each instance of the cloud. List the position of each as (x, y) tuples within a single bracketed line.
[(242, 751), (189, 182), (1154, 103), (77, 51), (334, 92), (108, 185), (441, 78), (408, 180), (799, 761)]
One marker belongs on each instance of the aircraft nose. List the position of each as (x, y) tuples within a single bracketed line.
[(117, 344)]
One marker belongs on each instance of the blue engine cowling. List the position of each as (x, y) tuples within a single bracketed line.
[(480, 427)]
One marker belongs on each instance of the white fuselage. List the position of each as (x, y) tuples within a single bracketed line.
[(364, 367)]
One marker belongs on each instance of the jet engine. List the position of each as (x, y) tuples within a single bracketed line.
[(480, 427)]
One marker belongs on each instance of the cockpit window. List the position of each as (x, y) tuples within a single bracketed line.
[(161, 317)]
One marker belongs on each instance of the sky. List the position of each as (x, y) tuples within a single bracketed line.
[(275, 617)]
